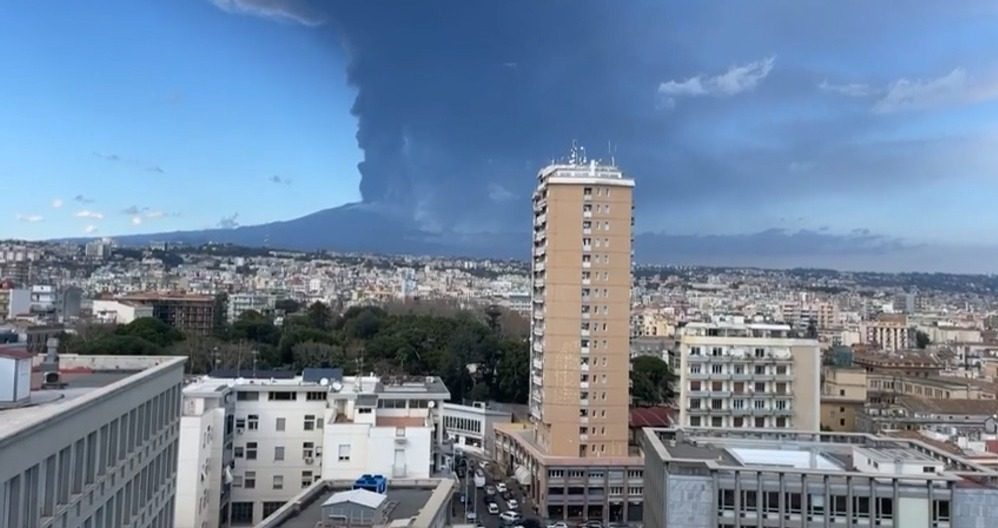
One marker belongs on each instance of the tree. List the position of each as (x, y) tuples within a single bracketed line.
[(152, 330), (651, 381), (513, 376), (254, 326), (319, 316), (288, 306), (922, 339), (312, 354), (121, 345)]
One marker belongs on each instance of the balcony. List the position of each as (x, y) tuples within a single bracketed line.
[(538, 363), (539, 236), (538, 346), (587, 265), (539, 381), (538, 283), (587, 247), (585, 316), (584, 332), (719, 394), (583, 438), (584, 351), (783, 412), (587, 231), (584, 403), (538, 330), (540, 219), (539, 315), (584, 367), (583, 419), (743, 376), (586, 282), (761, 412), (697, 359), (584, 385), (587, 214), (698, 376), (744, 411), (539, 267), (540, 251)]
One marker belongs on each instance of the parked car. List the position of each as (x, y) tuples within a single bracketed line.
[(470, 515), (512, 504), (493, 508), (490, 490), (501, 487), (593, 524), (559, 524), (510, 516)]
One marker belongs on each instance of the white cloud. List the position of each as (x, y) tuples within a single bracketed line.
[(154, 214), (136, 220), (498, 193), (848, 90), (738, 79), (86, 213), (56, 203), (29, 218), (90, 229), (278, 10), (905, 94)]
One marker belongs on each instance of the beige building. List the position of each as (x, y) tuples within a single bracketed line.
[(575, 459), (738, 374), (890, 332), (843, 395), (581, 319)]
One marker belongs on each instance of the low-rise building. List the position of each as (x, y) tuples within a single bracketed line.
[(726, 479), (193, 314), (843, 396), (283, 432), (471, 428), (238, 303), (112, 311)]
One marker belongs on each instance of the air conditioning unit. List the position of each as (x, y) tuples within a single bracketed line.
[(309, 460), (318, 452), (239, 430)]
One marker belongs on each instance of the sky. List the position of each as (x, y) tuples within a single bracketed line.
[(853, 134)]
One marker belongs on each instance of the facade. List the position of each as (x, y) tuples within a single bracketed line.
[(14, 302), (802, 313), (575, 459), (194, 314), (738, 374), (471, 428), (243, 302), (890, 332), (119, 312), (909, 413), (581, 319), (843, 396), (729, 479), (97, 448), (283, 432)]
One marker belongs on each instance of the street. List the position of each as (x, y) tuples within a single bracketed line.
[(478, 501)]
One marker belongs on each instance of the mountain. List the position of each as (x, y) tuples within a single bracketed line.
[(354, 227)]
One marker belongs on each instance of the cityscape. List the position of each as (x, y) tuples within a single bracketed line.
[(503, 336)]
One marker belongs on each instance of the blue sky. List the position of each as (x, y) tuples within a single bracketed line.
[(166, 115), (870, 128)]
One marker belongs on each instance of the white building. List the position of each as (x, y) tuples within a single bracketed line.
[(290, 431), (738, 374), (119, 312), (244, 302), (15, 374), (470, 427), (98, 449)]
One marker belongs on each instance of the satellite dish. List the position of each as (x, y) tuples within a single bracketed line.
[(431, 404), (324, 382), (337, 386)]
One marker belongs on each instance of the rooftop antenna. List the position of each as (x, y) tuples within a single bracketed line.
[(573, 155), (609, 150)]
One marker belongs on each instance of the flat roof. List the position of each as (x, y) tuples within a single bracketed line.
[(403, 504), (806, 452), (82, 386)]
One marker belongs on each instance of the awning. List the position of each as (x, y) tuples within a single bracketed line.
[(522, 475)]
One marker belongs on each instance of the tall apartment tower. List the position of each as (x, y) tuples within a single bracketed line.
[(581, 309)]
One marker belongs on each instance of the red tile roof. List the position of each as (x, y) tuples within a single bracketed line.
[(652, 416)]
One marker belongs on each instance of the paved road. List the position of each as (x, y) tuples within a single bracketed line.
[(477, 498)]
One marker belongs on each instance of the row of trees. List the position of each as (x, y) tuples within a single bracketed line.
[(479, 355)]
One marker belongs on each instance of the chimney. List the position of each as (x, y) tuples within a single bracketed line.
[(50, 366)]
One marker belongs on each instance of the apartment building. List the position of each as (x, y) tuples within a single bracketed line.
[(112, 311), (912, 413), (283, 432), (733, 479), (92, 444), (804, 312), (740, 374), (471, 428), (194, 314), (243, 302), (890, 332), (843, 396), (580, 354)]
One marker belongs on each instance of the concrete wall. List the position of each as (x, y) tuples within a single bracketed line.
[(690, 502), (974, 508), (373, 450)]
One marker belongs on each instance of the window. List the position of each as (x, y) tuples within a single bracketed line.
[(315, 396), (344, 453), (760, 352), (306, 479), (249, 480), (861, 506), (694, 421), (716, 404), (940, 510), (726, 500), (716, 421), (250, 450), (717, 386), (760, 422), (279, 424), (240, 423), (758, 404), (247, 396), (307, 449), (738, 404), (309, 422), (717, 369), (749, 499), (772, 501), (781, 422), (242, 512), (282, 396), (253, 422), (738, 421), (238, 452), (270, 507), (278, 453), (278, 482), (760, 386), (885, 507), (635, 491), (928, 469), (760, 370), (793, 502), (694, 351)]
